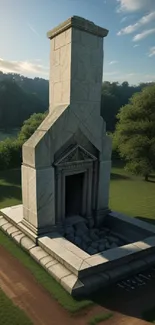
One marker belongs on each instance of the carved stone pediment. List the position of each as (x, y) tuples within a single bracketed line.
[(75, 155)]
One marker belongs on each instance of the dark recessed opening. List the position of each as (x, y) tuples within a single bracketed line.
[(73, 194)]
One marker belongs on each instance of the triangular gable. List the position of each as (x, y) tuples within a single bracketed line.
[(76, 154)]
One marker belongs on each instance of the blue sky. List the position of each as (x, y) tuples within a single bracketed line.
[(129, 46)]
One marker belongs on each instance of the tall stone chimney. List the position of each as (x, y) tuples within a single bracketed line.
[(76, 63)]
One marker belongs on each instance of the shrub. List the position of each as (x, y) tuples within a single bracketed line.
[(30, 126), (10, 154), (11, 149)]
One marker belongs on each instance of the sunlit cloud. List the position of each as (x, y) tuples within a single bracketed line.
[(143, 35), (134, 5), (136, 45), (140, 23), (152, 51), (24, 67)]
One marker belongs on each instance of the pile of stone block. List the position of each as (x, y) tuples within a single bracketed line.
[(92, 240)]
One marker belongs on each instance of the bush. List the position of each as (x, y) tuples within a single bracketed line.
[(10, 154), (11, 149), (30, 126)]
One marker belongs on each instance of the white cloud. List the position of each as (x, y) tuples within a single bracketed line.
[(136, 45), (113, 62), (123, 19), (141, 22), (143, 35), (134, 5), (23, 67), (32, 29), (152, 51)]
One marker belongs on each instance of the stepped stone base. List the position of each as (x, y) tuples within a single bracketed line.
[(77, 271)]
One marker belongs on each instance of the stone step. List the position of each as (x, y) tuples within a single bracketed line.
[(72, 257)]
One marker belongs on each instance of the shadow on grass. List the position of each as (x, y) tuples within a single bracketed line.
[(11, 176), (118, 164), (149, 220), (10, 192), (150, 181), (152, 176), (118, 177)]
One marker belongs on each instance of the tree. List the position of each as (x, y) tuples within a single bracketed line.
[(11, 149), (135, 132), (109, 109), (30, 126)]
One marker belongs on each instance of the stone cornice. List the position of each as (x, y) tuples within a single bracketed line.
[(78, 23)]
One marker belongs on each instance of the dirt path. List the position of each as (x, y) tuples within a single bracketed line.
[(19, 285)]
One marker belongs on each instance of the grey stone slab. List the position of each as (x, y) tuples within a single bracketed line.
[(27, 243), (18, 237), (71, 247), (58, 271), (96, 260), (121, 252), (46, 259), (29, 233), (17, 233), (150, 241), (133, 221), (66, 257), (72, 284), (6, 226), (13, 214), (3, 221), (37, 253), (84, 270), (51, 263), (12, 230), (116, 274), (142, 245)]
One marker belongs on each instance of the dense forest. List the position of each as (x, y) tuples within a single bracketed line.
[(20, 97)]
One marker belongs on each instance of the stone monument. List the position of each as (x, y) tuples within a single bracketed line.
[(67, 161), (64, 222)]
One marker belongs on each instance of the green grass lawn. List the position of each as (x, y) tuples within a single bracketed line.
[(11, 314), (131, 195), (10, 188)]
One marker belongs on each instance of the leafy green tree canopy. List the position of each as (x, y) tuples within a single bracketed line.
[(135, 132), (30, 126)]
